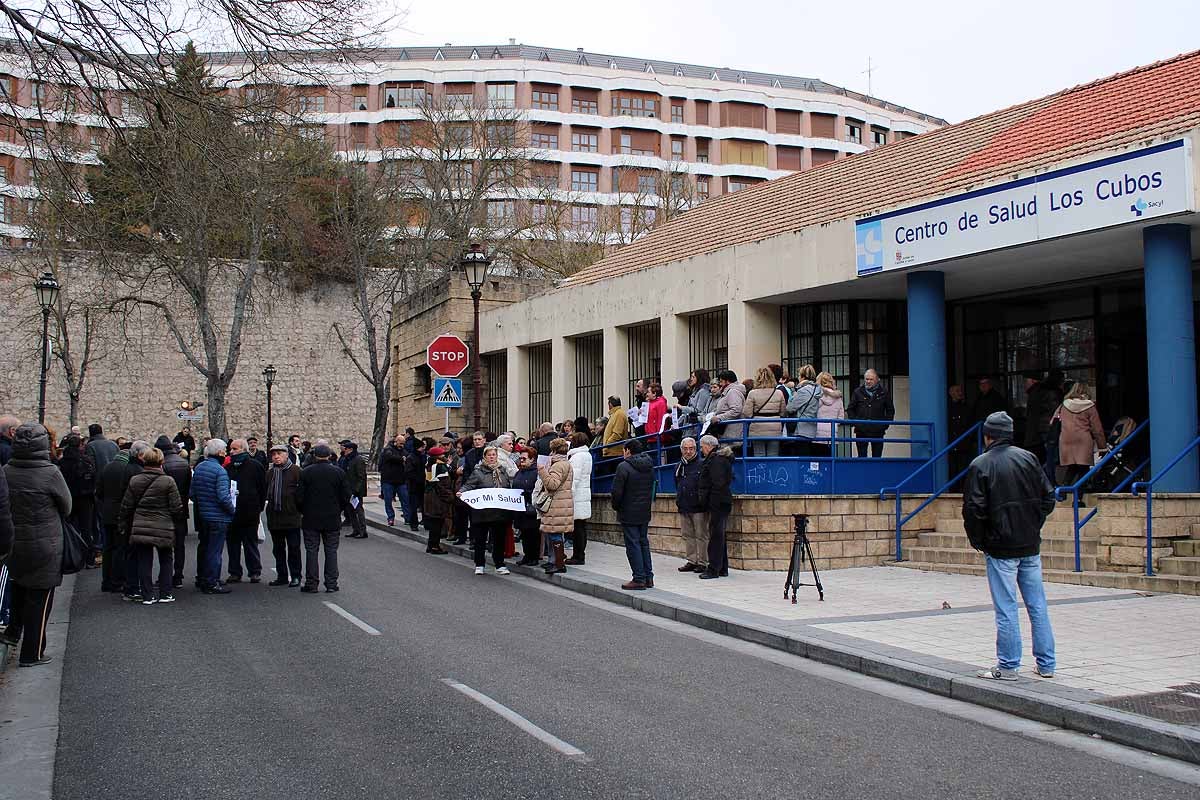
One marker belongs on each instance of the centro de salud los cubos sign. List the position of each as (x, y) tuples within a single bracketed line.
[(1142, 184)]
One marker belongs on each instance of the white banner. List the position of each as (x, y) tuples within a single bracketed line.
[(1130, 187), (507, 499)]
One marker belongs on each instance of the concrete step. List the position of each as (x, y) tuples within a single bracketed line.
[(1050, 544), (1176, 584), (1180, 565), (1187, 548), (967, 556), (1052, 527)]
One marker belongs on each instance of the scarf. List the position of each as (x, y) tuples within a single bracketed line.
[(239, 459), (277, 486)]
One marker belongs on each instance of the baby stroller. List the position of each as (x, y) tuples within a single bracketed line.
[(1123, 464)]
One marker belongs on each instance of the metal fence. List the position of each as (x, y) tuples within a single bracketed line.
[(496, 365), (645, 354), (540, 385), (589, 375)]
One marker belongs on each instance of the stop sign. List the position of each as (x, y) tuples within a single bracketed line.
[(447, 356)]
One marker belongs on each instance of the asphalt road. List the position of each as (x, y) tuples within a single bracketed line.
[(268, 693)]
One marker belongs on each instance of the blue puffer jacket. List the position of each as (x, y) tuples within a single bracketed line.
[(210, 492)]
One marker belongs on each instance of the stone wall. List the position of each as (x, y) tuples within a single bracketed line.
[(844, 531), (134, 390), (442, 307)]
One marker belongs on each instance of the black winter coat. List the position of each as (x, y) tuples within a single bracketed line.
[(438, 501), (177, 467), (1006, 499), (111, 486), (716, 479), (355, 467), (38, 500), (633, 490), (525, 479), (864, 405), (321, 496), (414, 472), (6, 528), (391, 465), (251, 480), (287, 516), (687, 486), (5, 450), (79, 470)]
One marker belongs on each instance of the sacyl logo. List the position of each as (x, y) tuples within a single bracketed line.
[(1138, 207)]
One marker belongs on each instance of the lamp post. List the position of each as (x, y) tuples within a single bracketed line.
[(269, 374), (47, 295), (475, 265)]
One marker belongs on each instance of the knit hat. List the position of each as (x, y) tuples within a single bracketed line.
[(998, 426)]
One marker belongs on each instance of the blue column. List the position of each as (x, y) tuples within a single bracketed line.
[(927, 361), (1171, 354)]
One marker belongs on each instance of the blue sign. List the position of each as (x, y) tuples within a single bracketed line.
[(447, 393)]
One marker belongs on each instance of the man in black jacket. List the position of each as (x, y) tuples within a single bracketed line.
[(321, 496), (414, 475), (632, 497), (111, 484), (393, 481), (871, 401), (714, 491), (355, 467), (693, 521), (251, 480), (177, 467), (1005, 502)]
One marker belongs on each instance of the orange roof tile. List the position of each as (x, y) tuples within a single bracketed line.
[(1156, 100)]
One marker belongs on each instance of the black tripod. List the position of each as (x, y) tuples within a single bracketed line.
[(801, 551)]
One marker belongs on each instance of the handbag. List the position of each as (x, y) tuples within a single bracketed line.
[(74, 551), (542, 499)]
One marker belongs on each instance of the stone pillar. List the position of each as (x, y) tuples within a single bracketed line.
[(616, 366), (754, 337), (1171, 354), (517, 389), (562, 379), (927, 362), (673, 350)]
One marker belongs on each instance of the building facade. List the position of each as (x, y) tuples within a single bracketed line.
[(587, 117)]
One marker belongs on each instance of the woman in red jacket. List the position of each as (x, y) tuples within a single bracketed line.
[(656, 411)]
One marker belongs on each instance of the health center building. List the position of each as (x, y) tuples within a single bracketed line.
[(1059, 233)]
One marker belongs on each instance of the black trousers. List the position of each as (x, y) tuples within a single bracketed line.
[(285, 546), (579, 539), (356, 518), (243, 536), (30, 616), (531, 543), (876, 449), (718, 557), (181, 532), (462, 518), (144, 553), (479, 537), (112, 573), (201, 545), (434, 526), (314, 541)]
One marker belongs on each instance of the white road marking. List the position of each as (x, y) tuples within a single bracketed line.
[(545, 737), (353, 620)]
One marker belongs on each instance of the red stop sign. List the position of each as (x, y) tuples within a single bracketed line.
[(447, 356)]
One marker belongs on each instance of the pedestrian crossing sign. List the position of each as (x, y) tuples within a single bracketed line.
[(447, 393)]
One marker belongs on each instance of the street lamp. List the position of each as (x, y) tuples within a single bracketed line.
[(475, 265), (269, 374), (47, 295)]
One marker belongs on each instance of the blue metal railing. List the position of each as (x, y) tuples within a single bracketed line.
[(977, 431), (784, 474), (1148, 486), (1077, 488)]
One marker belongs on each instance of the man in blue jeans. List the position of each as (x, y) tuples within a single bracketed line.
[(393, 482), (1006, 499), (210, 493), (632, 496)]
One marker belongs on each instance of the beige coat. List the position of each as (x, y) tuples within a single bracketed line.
[(1082, 433), (556, 479), (768, 402)]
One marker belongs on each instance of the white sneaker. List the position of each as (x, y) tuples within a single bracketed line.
[(997, 674), (479, 570), (503, 571)]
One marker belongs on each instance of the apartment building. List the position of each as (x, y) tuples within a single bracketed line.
[(591, 117)]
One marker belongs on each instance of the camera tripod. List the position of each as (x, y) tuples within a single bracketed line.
[(801, 551)]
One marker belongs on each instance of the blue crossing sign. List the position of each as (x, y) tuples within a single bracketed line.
[(447, 393)]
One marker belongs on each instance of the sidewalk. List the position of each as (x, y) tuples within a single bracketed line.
[(1128, 662)]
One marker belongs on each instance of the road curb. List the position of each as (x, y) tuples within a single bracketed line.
[(1144, 733)]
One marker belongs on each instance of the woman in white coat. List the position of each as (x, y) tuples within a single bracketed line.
[(581, 490)]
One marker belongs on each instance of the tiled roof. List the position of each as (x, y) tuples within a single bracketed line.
[(1148, 102)]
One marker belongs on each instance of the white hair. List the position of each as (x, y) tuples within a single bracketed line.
[(214, 447), (687, 439), (139, 448), (504, 438), (710, 440), (242, 443)]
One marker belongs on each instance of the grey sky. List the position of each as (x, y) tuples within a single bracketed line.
[(952, 58)]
